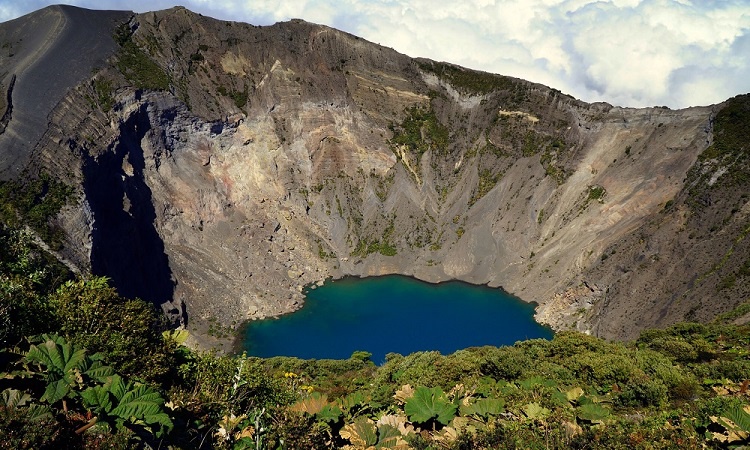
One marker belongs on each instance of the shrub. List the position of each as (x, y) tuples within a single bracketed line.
[(222, 385), (643, 393), (27, 275), (508, 363), (137, 67), (34, 202), (126, 332)]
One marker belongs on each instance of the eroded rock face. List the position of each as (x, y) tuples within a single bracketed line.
[(284, 155)]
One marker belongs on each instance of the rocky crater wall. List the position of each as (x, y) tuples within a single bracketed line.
[(275, 157)]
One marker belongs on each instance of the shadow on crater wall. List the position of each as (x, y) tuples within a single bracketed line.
[(125, 244)]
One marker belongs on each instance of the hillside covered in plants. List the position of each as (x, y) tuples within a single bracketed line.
[(83, 367)]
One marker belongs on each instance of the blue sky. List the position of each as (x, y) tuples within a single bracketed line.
[(637, 53)]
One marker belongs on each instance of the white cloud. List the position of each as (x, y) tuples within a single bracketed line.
[(627, 52), (10, 11)]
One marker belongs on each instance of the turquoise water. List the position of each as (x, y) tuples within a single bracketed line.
[(394, 314)]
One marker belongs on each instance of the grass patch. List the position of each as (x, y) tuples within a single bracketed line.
[(239, 97), (468, 81), (420, 131), (104, 93), (729, 152), (34, 203), (487, 181), (597, 193), (366, 247), (137, 67)]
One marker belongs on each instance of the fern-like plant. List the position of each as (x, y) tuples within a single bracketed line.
[(66, 368), (429, 404), (119, 403)]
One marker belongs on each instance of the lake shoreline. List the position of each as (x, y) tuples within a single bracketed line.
[(399, 282)]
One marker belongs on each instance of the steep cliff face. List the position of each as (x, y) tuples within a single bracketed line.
[(223, 166)]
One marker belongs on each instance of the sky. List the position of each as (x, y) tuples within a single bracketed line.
[(633, 53)]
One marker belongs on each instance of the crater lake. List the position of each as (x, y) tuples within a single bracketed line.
[(395, 314)]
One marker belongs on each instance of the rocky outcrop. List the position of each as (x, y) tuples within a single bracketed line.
[(280, 156)]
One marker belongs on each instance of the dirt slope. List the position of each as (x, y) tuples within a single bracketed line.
[(49, 52)]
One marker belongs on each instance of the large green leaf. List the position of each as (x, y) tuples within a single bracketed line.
[(484, 407), (329, 414), (427, 404), (120, 403), (46, 354), (177, 336), (64, 367), (362, 433), (353, 401), (593, 412), (353, 405), (13, 398), (97, 399), (739, 417), (39, 412), (139, 402), (72, 358), (536, 411), (57, 390), (390, 437), (117, 387), (142, 404), (99, 372), (573, 394)]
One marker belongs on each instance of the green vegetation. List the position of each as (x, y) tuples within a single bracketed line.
[(532, 143), (384, 183), (137, 67), (487, 181), (468, 81), (239, 97), (540, 217), (217, 330), (551, 167), (527, 139), (728, 152), (596, 193), (81, 367), (366, 247), (384, 246), (437, 243), (92, 315), (103, 89), (729, 280), (71, 382), (324, 255), (731, 135), (34, 202), (420, 131), (56, 336)]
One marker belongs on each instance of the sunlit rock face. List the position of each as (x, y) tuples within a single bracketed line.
[(275, 157)]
